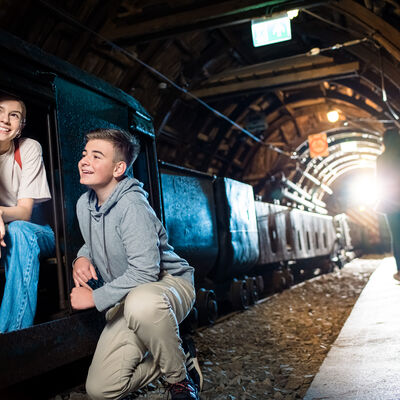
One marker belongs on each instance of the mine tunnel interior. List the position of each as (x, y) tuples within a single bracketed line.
[(300, 121), (259, 160)]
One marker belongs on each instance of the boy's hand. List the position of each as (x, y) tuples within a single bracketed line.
[(81, 298), (82, 272), (2, 232)]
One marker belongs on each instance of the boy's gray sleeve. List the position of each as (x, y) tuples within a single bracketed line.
[(83, 252), (140, 237)]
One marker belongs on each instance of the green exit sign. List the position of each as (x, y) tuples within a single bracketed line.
[(269, 31)]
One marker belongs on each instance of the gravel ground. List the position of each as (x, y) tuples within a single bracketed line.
[(274, 349)]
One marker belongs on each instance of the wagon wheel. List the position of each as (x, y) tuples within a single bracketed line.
[(260, 284), (278, 280), (289, 278), (206, 303), (238, 295), (252, 289)]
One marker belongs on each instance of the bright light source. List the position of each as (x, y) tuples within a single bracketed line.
[(333, 116), (269, 31), (292, 14), (364, 191)]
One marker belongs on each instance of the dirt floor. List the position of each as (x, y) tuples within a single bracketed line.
[(274, 349)]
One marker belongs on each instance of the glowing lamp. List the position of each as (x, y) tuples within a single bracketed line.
[(333, 116), (292, 13)]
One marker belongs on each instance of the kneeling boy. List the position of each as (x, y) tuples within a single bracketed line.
[(148, 288)]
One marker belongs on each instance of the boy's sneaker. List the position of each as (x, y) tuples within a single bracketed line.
[(183, 390), (192, 363), (397, 276)]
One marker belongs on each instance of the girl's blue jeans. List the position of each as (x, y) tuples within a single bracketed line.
[(26, 242)]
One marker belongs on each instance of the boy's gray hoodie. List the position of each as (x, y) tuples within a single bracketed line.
[(126, 241)]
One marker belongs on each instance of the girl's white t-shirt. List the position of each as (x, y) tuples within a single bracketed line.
[(28, 183)]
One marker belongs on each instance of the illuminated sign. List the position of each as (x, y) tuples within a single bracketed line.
[(269, 31)]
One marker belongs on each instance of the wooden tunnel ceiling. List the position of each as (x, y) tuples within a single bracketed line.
[(279, 92)]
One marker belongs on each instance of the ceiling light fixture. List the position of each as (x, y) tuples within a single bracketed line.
[(333, 116), (292, 13)]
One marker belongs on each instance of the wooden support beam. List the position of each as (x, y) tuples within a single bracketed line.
[(280, 80), (384, 33), (269, 67), (203, 17)]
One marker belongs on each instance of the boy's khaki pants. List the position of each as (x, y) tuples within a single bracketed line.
[(141, 339)]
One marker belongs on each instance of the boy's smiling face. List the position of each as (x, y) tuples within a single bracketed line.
[(97, 168)]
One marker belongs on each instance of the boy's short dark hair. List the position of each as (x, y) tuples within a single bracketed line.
[(126, 146)]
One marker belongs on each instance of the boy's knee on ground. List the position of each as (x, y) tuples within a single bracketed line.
[(106, 386), (93, 388), (111, 371), (96, 390)]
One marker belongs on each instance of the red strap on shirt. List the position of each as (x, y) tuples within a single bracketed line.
[(17, 153)]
